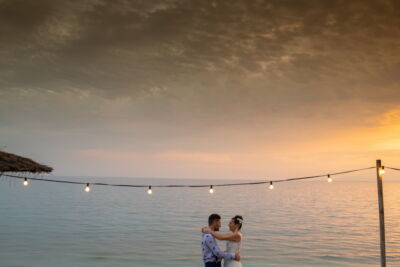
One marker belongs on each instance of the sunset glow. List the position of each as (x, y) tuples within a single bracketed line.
[(166, 91)]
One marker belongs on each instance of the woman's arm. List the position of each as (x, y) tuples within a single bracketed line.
[(235, 237)]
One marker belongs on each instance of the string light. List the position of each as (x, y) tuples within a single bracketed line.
[(271, 186), (87, 188), (211, 189), (329, 178), (382, 170)]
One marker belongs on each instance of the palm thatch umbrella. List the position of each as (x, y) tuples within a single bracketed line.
[(13, 163)]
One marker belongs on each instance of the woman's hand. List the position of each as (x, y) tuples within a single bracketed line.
[(205, 229)]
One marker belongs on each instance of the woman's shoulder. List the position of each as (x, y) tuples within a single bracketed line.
[(238, 236)]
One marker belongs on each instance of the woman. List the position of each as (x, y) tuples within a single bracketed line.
[(234, 239)]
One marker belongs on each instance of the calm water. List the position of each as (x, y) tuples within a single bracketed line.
[(296, 224)]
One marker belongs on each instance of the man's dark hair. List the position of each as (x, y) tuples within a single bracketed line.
[(213, 217)]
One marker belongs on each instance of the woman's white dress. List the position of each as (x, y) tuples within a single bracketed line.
[(233, 247)]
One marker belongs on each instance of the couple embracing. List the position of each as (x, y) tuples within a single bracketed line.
[(212, 255)]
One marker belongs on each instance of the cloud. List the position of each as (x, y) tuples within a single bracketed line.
[(125, 47), (193, 157), (195, 79)]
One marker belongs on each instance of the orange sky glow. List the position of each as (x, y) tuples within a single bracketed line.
[(194, 89)]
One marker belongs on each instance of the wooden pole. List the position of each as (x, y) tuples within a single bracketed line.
[(381, 212)]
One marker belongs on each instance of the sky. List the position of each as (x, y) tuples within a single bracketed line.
[(201, 89)]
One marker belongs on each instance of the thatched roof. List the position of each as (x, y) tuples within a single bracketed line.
[(13, 163)]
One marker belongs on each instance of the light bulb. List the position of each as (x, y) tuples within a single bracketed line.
[(87, 188), (211, 189), (382, 170), (25, 183), (329, 179), (149, 191), (271, 186)]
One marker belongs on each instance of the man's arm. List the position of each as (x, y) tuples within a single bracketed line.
[(212, 245)]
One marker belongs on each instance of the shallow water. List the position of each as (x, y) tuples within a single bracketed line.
[(296, 224)]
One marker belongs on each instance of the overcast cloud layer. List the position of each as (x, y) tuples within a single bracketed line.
[(199, 88)]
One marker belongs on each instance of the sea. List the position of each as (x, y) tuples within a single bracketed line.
[(302, 223)]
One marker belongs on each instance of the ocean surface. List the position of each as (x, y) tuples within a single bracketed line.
[(305, 223)]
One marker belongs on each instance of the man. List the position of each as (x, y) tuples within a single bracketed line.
[(212, 255)]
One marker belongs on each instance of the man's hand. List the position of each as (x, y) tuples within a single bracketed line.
[(237, 256)]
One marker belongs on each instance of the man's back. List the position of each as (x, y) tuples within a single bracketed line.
[(208, 243)]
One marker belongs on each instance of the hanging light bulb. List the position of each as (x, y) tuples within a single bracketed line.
[(25, 183), (271, 186), (382, 170), (87, 188), (329, 178), (149, 191), (211, 189)]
